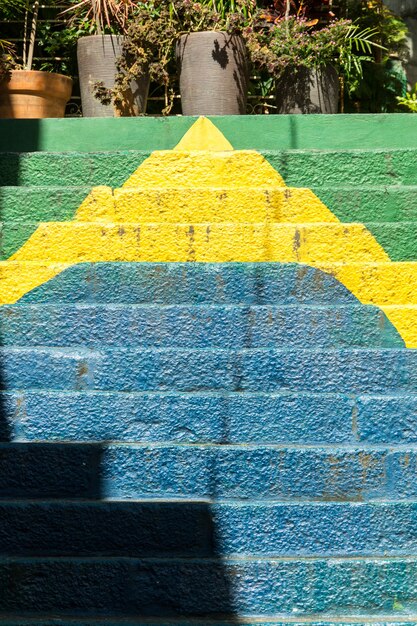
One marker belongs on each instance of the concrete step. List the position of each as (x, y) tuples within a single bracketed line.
[(299, 168), (184, 529), (341, 168), (399, 240), (256, 620), (48, 204), (169, 205), (386, 203), (155, 621), (196, 326), (68, 169), (351, 203), (219, 418), (243, 131), (191, 283), (181, 589), (226, 472), (355, 371), (313, 244)]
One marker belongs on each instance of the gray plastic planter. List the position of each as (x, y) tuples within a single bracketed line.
[(97, 56), (214, 73), (302, 90)]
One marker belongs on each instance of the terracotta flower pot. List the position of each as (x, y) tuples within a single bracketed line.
[(214, 73), (303, 90), (97, 55), (33, 94)]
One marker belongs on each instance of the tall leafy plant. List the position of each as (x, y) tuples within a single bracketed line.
[(379, 87), (155, 25)]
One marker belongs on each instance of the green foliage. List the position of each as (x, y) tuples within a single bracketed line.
[(297, 42), (61, 46), (149, 42), (23, 15), (408, 102), (391, 29), (9, 9), (377, 89)]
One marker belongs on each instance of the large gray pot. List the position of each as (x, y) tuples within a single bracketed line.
[(214, 73), (97, 55), (302, 90)]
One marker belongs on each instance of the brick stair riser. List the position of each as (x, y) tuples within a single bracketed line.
[(125, 471), (192, 283), (298, 168), (157, 587), (196, 326), (179, 529), (206, 417), (354, 371)]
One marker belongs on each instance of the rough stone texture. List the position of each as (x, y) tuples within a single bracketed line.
[(207, 442)]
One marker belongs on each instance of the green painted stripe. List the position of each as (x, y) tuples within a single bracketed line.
[(372, 204), (43, 204), (92, 134), (267, 132), (398, 240), (345, 168), (299, 168), (69, 169)]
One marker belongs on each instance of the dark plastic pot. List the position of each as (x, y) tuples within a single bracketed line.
[(97, 55), (302, 90), (214, 74)]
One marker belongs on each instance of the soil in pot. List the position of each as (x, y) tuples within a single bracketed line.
[(30, 94), (214, 74), (303, 90), (97, 55)]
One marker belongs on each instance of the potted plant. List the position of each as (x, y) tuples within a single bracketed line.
[(211, 56), (99, 26), (199, 43), (308, 61), (24, 92)]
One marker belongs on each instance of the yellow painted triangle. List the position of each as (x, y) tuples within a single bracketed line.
[(204, 158), (205, 202), (203, 135)]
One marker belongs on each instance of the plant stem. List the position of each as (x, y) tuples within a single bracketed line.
[(96, 17), (25, 37), (287, 10), (32, 37), (287, 15)]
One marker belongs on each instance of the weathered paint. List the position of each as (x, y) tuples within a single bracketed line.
[(269, 587), (164, 529), (110, 227), (230, 442)]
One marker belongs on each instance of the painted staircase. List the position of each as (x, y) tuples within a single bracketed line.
[(209, 410)]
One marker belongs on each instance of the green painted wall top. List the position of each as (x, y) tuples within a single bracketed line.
[(267, 132)]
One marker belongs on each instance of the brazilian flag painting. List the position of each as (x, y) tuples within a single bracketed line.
[(209, 389)]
